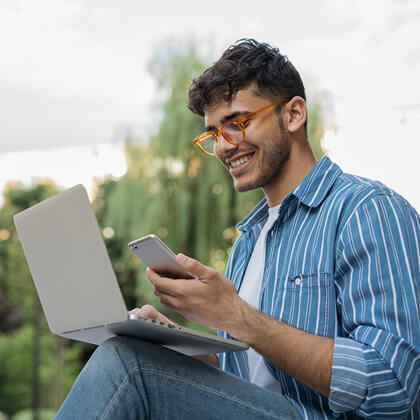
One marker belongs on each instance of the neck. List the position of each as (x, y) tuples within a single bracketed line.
[(300, 162)]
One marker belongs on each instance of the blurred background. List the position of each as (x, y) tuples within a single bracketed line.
[(94, 92)]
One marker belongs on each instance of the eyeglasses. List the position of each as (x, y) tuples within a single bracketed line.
[(233, 131)]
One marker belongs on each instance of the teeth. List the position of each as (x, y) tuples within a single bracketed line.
[(240, 161)]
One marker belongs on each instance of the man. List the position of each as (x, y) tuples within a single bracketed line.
[(322, 283)]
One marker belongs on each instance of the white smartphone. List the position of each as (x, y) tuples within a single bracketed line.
[(159, 257)]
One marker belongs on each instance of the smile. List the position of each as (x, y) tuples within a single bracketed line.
[(241, 161)]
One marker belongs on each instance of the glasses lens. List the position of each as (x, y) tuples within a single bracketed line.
[(233, 132), (208, 143)]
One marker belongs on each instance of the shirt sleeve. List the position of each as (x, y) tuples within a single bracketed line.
[(376, 361)]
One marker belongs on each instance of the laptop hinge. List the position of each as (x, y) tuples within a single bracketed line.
[(84, 329)]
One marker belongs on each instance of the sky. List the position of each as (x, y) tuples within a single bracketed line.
[(73, 78)]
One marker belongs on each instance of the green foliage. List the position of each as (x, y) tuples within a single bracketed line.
[(15, 279), (16, 362), (44, 414), (195, 201), (17, 348), (16, 370)]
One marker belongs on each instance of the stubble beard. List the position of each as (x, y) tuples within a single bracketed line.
[(276, 155)]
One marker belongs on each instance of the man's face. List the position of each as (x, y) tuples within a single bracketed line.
[(258, 161)]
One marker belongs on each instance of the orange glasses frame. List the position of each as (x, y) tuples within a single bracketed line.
[(240, 122)]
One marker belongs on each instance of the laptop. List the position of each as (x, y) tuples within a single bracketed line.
[(77, 286)]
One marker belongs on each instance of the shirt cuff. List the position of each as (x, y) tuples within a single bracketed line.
[(349, 380)]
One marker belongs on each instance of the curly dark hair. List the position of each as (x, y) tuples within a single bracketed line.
[(242, 63)]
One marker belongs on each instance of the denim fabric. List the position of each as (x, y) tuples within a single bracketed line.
[(127, 378)]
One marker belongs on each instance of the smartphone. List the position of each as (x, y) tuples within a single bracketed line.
[(156, 255)]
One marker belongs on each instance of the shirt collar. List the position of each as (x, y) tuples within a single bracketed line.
[(311, 191), (316, 185), (257, 215)]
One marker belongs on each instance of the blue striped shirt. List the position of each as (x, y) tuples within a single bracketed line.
[(354, 246)]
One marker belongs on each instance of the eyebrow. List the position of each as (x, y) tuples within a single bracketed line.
[(227, 118)]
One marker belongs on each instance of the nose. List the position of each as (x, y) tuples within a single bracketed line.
[(223, 146)]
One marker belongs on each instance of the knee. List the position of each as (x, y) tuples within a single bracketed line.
[(114, 350), (117, 344), (109, 356), (126, 352), (129, 354)]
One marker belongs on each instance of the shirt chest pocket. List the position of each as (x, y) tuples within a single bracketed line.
[(306, 301)]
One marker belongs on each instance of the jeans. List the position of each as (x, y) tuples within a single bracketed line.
[(127, 378)]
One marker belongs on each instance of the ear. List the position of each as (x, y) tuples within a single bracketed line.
[(295, 114)]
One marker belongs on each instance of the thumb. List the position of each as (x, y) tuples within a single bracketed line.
[(192, 265)]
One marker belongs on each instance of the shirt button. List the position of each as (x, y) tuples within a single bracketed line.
[(298, 281)]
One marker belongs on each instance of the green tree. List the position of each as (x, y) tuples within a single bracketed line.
[(196, 203), (122, 208), (32, 369)]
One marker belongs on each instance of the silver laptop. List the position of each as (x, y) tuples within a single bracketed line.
[(77, 286)]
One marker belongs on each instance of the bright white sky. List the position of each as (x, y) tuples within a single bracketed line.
[(72, 75)]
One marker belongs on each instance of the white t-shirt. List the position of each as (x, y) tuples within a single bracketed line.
[(250, 292)]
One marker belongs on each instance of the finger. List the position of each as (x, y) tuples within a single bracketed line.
[(158, 282), (164, 287), (169, 286), (134, 311), (193, 266), (170, 302), (148, 311), (152, 275)]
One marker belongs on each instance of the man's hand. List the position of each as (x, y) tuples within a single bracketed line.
[(210, 299), (148, 311)]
